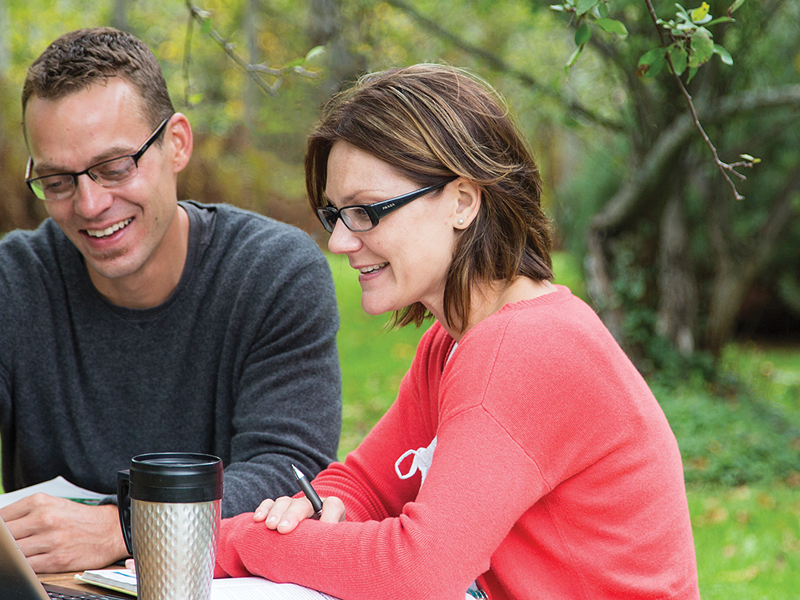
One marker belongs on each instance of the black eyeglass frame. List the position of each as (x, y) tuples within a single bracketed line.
[(136, 156), (375, 211)]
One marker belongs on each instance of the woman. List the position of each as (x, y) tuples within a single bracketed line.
[(524, 456)]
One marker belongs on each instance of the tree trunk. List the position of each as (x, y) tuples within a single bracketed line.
[(735, 277), (600, 287), (677, 286), (119, 16), (325, 29), (4, 49)]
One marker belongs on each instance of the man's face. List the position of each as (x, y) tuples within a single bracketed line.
[(123, 232)]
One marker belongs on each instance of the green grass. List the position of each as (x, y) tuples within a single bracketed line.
[(747, 541), (747, 538), (772, 370)]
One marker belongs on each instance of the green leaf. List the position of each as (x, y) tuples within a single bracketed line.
[(573, 58), (652, 62), (702, 47), (314, 52), (602, 10), (682, 13), (692, 73), (582, 35), (720, 20), (585, 6), (724, 55), (679, 57), (613, 26), (651, 56), (557, 7)]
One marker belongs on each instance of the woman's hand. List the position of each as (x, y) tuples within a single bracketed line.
[(284, 514)]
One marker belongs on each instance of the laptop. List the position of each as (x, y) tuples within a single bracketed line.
[(19, 582)]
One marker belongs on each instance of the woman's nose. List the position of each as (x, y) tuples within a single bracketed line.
[(343, 240)]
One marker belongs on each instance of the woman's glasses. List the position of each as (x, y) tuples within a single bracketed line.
[(363, 217)]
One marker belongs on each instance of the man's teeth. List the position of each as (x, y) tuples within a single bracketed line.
[(373, 268), (98, 233)]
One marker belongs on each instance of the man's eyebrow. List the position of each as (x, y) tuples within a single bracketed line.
[(110, 154)]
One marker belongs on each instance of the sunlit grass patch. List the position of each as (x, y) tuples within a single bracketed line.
[(747, 541)]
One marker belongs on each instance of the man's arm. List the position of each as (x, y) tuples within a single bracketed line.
[(288, 405)]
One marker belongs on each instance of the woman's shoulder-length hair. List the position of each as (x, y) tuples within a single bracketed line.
[(432, 122)]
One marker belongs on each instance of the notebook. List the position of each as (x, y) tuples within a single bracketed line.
[(19, 582)]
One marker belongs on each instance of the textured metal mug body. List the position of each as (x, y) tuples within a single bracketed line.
[(170, 508)]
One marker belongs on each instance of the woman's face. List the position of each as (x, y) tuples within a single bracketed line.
[(405, 258)]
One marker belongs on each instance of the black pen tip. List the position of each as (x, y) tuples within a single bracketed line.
[(297, 472)]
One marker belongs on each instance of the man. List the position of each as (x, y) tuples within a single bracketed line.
[(132, 323)]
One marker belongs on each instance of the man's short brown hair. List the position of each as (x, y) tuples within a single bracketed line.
[(80, 58)]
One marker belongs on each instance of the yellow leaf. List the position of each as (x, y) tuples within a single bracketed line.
[(698, 14)]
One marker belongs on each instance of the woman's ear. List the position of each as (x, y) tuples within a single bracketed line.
[(466, 204), (180, 141)]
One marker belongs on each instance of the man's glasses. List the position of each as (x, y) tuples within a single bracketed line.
[(363, 217), (109, 173)]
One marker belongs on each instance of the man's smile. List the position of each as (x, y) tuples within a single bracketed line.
[(101, 233)]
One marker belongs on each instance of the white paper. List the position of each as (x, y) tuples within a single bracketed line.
[(240, 588), (255, 588), (58, 487)]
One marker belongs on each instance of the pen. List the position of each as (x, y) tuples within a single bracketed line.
[(309, 492)]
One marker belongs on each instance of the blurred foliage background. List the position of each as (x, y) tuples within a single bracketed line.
[(701, 289), (675, 266)]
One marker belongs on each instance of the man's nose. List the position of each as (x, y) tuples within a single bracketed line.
[(90, 198)]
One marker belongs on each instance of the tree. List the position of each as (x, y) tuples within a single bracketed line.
[(669, 249), (672, 180)]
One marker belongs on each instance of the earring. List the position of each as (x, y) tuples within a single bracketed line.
[(461, 221)]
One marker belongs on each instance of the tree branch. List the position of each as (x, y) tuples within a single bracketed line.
[(723, 167), (499, 64), (627, 199), (253, 71)]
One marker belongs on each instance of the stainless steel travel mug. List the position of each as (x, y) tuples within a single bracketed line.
[(169, 507)]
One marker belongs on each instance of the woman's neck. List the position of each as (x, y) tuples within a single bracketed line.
[(488, 299)]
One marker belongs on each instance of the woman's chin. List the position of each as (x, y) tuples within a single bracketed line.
[(371, 307)]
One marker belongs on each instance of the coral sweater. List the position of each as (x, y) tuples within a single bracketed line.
[(555, 475)]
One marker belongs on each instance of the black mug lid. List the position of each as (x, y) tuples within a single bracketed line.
[(176, 477)]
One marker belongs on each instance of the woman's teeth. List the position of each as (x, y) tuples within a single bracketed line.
[(373, 268), (99, 233)]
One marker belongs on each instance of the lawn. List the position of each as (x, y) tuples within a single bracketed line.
[(747, 537)]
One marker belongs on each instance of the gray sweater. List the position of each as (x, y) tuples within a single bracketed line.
[(239, 362)]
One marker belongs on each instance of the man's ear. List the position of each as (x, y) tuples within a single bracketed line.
[(466, 204), (180, 140)]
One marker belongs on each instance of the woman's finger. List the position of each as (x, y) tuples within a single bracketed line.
[(263, 509), (333, 510)]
